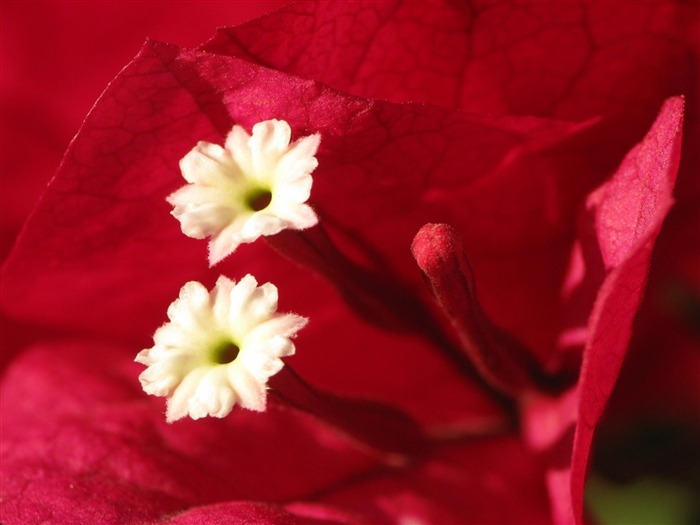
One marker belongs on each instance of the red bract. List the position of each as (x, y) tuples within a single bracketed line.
[(626, 218), (533, 235)]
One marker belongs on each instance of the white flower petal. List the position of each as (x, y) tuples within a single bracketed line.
[(250, 391), (158, 380), (207, 164), (213, 395), (221, 246), (237, 144), (260, 224), (178, 401), (240, 295), (270, 140), (299, 158), (298, 189), (286, 325), (263, 360), (300, 214)]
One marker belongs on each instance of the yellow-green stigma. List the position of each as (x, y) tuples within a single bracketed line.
[(225, 353), (258, 199)]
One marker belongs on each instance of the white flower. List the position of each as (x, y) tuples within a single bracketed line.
[(255, 185), (219, 348)]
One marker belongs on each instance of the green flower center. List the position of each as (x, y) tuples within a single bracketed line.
[(225, 353), (258, 199)]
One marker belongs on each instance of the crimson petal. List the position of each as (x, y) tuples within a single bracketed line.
[(560, 59)]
